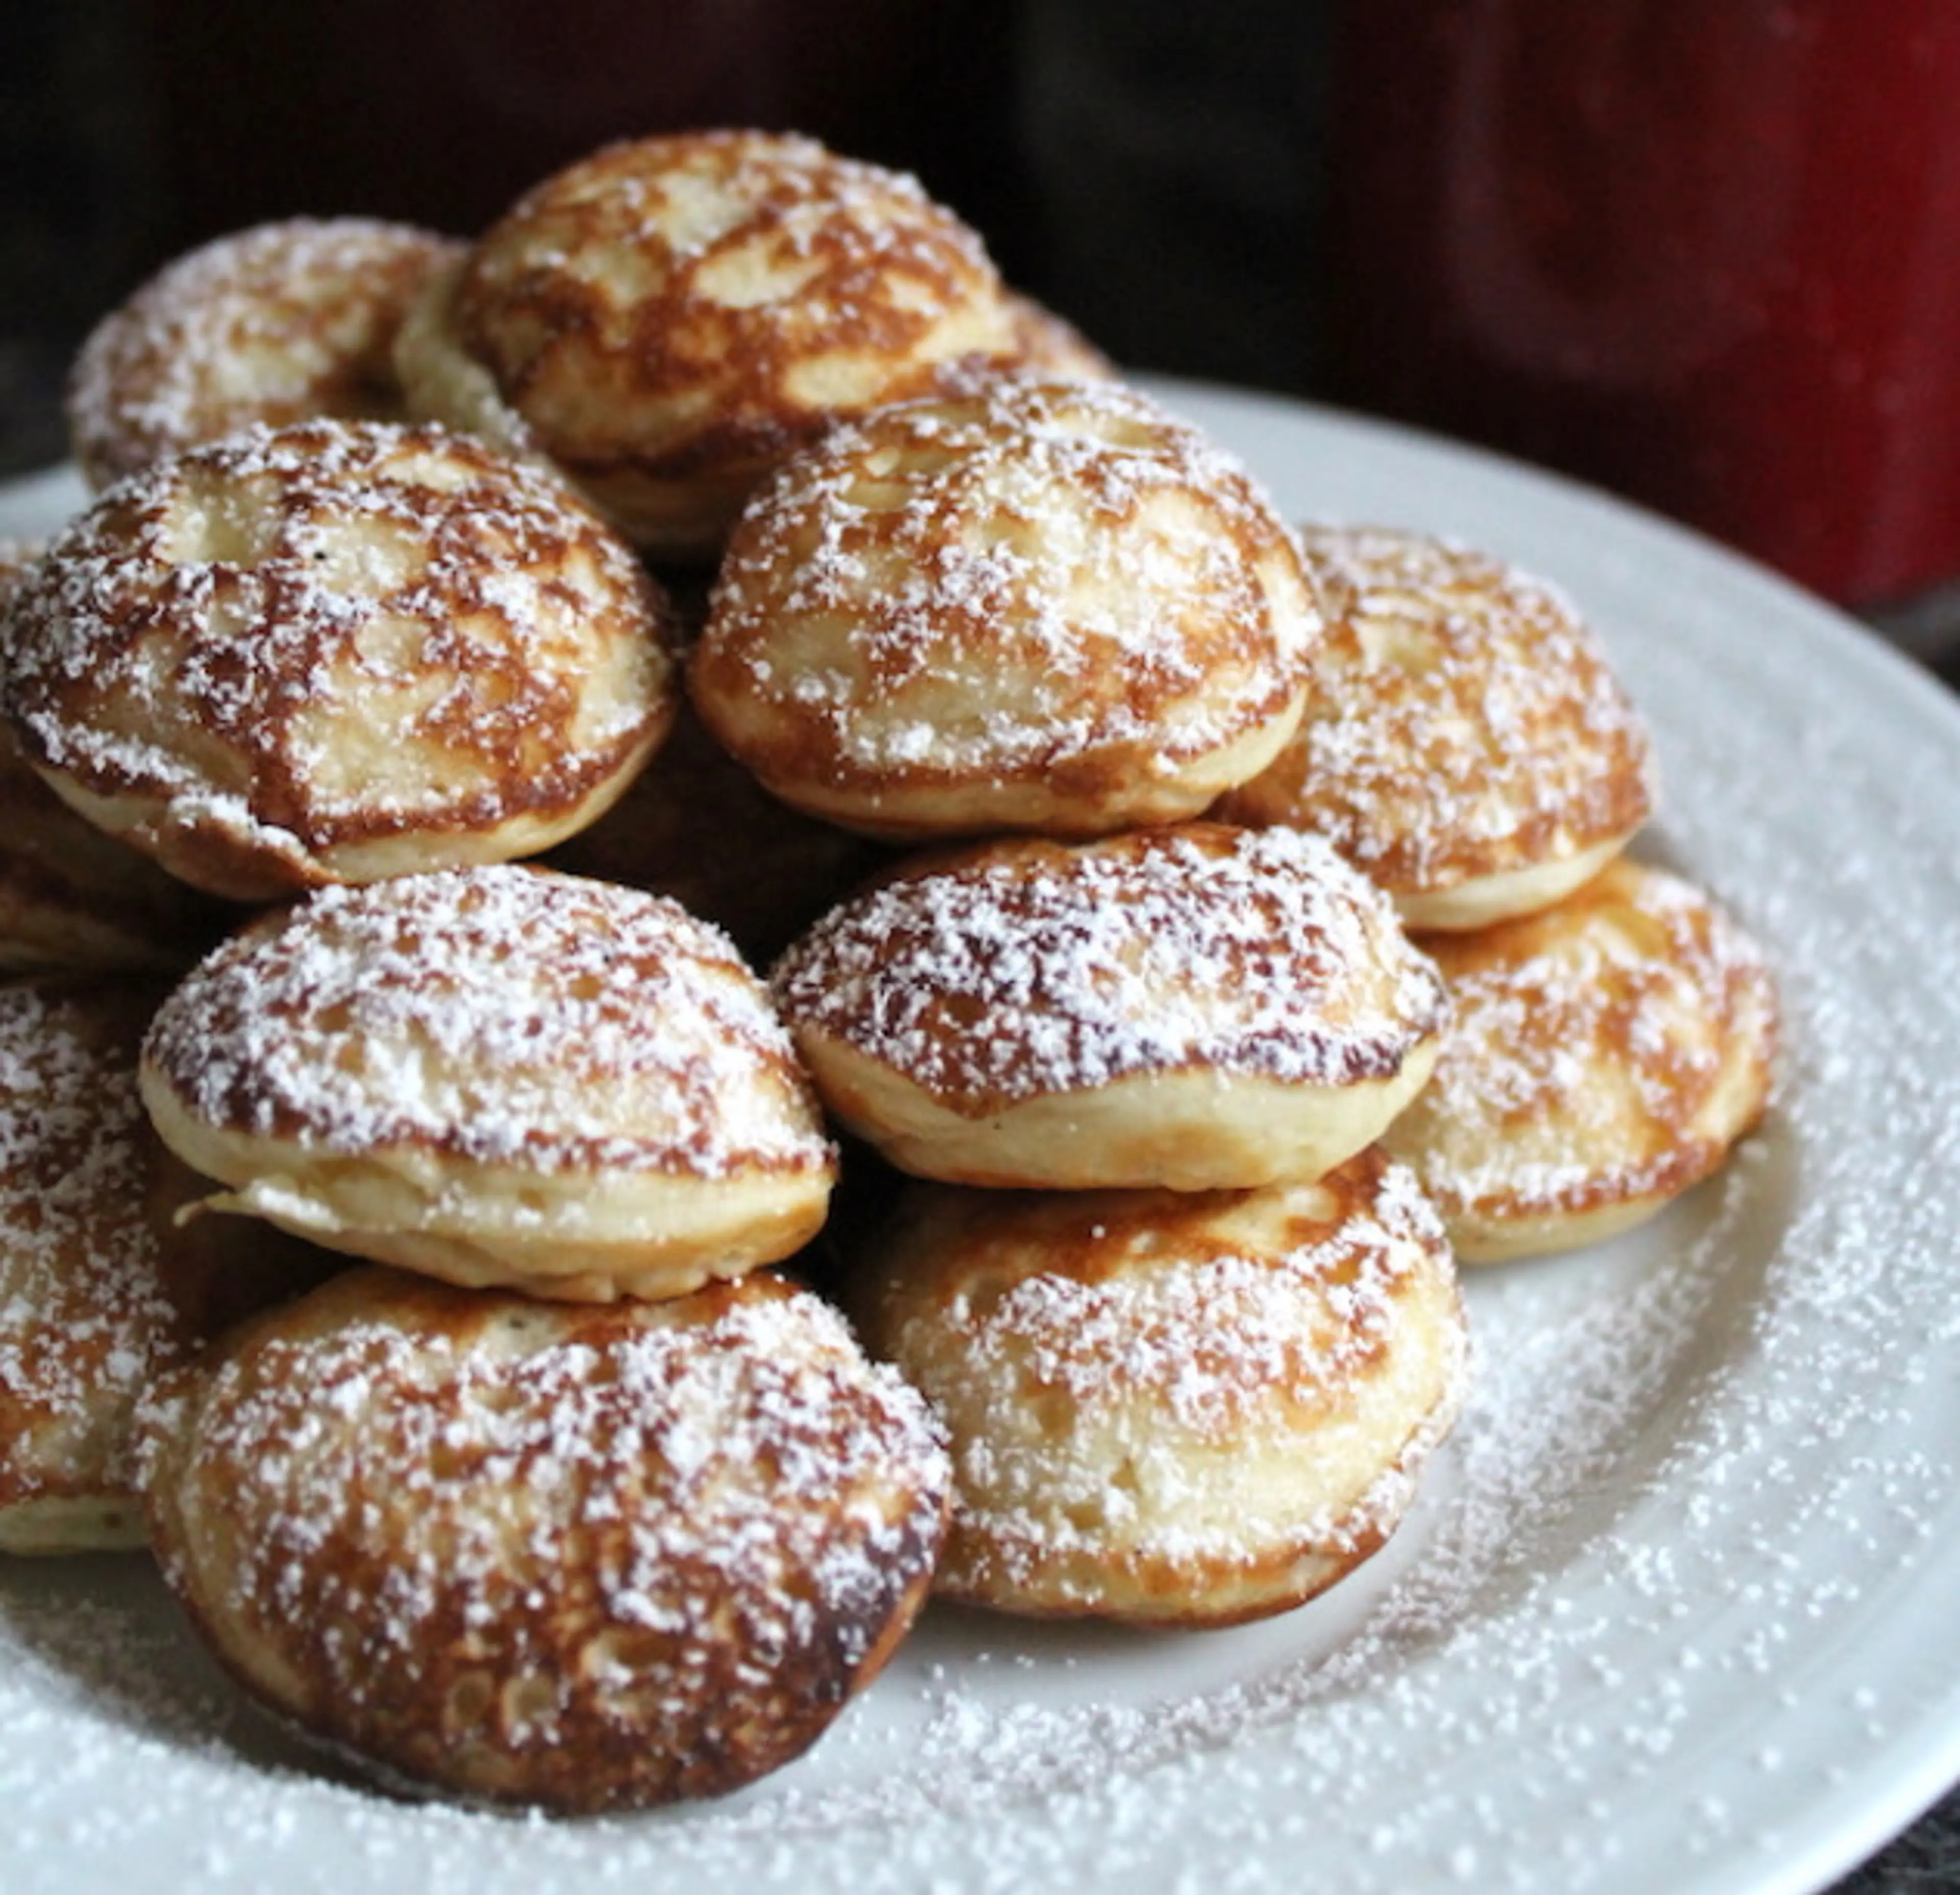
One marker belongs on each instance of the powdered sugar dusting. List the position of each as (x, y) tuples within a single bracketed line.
[(1039, 573), (280, 321), (1211, 1337), (1662, 1616), (687, 307), (1463, 719), (332, 629), (84, 1316), (1603, 1053), (688, 201), (644, 1519), (1185, 1388), (507, 1015), (1042, 969), (763, 1367)]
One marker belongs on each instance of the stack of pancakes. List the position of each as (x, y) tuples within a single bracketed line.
[(1187, 936)]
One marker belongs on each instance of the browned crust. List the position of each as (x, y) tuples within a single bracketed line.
[(190, 685), (1554, 1023), (223, 1043), (877, 266), (974, 1292), (1461, 720), (1037, 903), (321, 297), (725, 1683), (72, 895), (1167, 1594), (1070, 699)]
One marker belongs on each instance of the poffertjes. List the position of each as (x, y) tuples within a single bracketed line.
[(100, 1292), (1194, 1006), (1040, 606), (70, 896), (498, 1076), (666, 318), (1166, 1408), (1466, 740), (335, 651), (582, 1559), (293, 320), (1603, 1055)]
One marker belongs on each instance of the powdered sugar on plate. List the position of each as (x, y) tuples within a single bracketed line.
[(1662, 1616)]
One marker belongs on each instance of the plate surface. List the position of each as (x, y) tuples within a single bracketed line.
[(1676, 1608)]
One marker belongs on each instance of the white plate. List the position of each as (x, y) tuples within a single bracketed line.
[(1677, 1609)]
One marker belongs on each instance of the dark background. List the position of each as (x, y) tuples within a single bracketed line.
[(1154, 169), (1150, 169), (1167, 174)]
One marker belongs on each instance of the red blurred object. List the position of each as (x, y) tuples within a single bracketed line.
[(1706, 255)]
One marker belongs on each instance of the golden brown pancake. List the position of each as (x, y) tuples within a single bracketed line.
[(98, 1293), (282, 321), (584, 1559), (502, 1076), (664, 318), (1605, 1054), (1465, 741), (1194, 1006), (1039, 605), (335, 651), (85, 1318), (1174, 1408)]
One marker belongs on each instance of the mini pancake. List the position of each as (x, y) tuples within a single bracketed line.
[(667, 317), (336, 651), (1466, 740), (581, 1558), (85, 1316), (70, 896), (1195, 1006), (1605, 1055), (502, 1076), (97, 1295), (1038, 606), (282, 321), (695, 825), (1172, 1409)]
